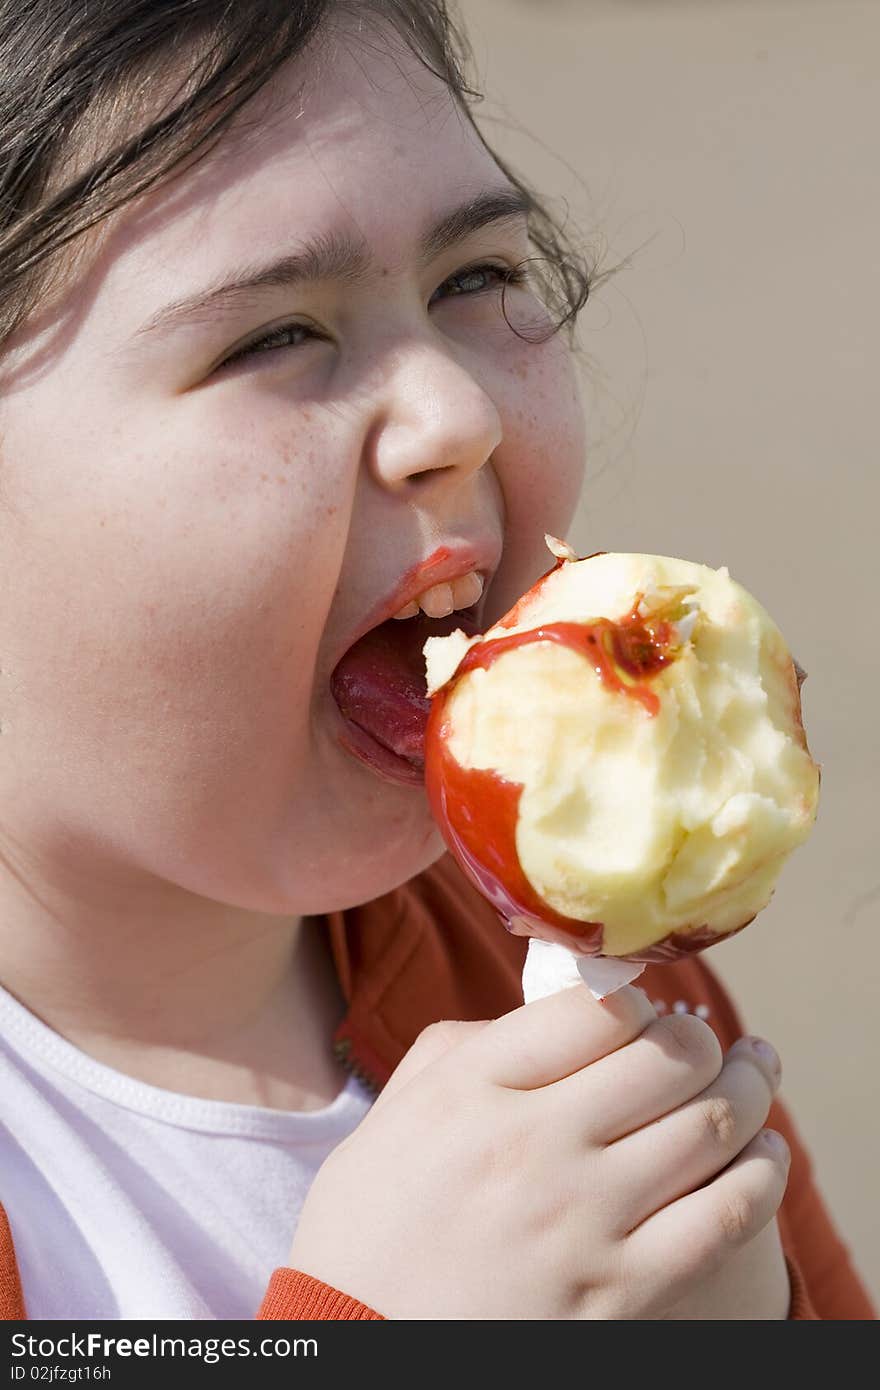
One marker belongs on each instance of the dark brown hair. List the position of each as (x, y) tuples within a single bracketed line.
[(80, 136)]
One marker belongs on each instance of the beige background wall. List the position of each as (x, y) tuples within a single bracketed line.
[(732, 393)]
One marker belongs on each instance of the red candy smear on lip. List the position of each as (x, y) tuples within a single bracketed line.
[(380, 682)]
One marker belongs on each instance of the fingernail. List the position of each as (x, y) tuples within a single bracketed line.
[(777, 1144), (768, 1055)]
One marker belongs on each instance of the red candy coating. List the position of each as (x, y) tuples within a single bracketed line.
[(477, 809)]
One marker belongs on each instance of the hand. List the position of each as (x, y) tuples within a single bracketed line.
[(569, 1160), (753, 1285)]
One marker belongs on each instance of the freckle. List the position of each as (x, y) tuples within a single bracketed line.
[(264, 477), (282, 479)]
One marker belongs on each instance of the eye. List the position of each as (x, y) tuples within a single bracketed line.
[(286, 335), (473, 280), (478, 279)]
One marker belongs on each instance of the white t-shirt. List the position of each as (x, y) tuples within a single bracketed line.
[(129, 1201)]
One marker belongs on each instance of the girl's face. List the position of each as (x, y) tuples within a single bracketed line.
[(191, 542)]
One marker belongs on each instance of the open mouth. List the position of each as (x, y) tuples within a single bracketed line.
[(379, 687)]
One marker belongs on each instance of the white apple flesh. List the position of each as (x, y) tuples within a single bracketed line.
[(620, 764)]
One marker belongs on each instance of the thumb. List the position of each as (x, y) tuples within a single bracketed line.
[(433, 1042)]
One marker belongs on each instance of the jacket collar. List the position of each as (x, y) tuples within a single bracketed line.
[(430, 950)]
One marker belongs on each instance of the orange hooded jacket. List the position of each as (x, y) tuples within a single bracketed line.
[(433, 950)]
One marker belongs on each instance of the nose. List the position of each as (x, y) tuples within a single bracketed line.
[(434, 418)]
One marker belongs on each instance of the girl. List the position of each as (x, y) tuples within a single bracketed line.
[(278, 367)]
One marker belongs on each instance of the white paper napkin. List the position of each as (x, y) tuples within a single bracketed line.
[(550, 967)]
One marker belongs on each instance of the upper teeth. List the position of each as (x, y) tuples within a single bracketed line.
[(442, 599)]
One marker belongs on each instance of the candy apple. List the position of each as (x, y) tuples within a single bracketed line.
[(620, 763)]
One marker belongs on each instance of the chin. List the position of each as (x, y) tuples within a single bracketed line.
[(393, 839)]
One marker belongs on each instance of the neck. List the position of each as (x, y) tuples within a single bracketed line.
[(174, 989)]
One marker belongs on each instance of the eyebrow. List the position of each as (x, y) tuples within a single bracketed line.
[(336, 257)]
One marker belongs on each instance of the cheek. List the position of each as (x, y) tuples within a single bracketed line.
[(544, 456), (195, 563)]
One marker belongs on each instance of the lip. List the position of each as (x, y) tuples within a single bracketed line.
[(368, 749), (442, 566), (373, 754)]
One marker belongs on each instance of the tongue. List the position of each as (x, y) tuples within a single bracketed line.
[(380, 682)]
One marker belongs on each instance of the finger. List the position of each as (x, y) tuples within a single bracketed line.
[(678, 1153), (432, 1044), (543, 1041), (693, 1236), (670, 1063)]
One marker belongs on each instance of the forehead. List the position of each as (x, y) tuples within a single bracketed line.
[(359, 138)]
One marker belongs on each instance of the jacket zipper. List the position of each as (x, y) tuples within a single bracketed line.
[(342, 1051)]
